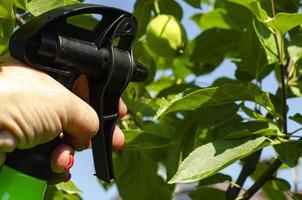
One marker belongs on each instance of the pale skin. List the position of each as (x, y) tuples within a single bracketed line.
[(34, 109)]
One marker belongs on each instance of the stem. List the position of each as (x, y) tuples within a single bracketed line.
[(284, 98), (247, 169), (156, 7), (273, 8), (19, 20)]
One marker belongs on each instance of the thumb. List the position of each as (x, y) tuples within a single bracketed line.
[(81, 121)]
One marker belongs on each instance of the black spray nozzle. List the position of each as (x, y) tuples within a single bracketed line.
[(84, 56), (49, 43), (140, 73)]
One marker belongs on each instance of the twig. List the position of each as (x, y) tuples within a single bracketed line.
[(295, 131), (273, 7), (248, 168), (19, 20)]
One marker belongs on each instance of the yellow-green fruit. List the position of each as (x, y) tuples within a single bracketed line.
[(166, 36)]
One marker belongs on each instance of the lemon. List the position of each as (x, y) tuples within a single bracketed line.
[(166, 36)]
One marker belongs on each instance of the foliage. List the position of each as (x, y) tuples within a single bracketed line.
[(191, 132)]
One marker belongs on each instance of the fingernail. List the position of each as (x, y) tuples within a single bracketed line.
[(71, 161)]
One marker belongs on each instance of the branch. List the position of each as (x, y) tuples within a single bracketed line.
[(248, 168), (266, 176), (284, 97)]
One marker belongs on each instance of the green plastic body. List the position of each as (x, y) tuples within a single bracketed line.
[(15, 185)]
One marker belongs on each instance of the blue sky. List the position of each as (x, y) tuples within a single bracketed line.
[(83, 170)]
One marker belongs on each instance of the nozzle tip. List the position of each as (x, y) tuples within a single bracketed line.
[(140, 73)]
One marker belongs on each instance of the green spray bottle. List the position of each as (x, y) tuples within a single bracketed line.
[(25, 173), (63, 49), (17, 185)]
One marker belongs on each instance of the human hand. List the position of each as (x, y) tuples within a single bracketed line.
[(34, 109)]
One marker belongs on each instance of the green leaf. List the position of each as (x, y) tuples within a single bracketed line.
[(170, 7), (284, 22), (224, 94), (215, 156), (253, 55), (137, 178), (271, 192), (6, 9), (288, 6), (214, 179), (187, 129), (267, 40), (139, 108), (130, 135), (174, 89), (6, 30), (66, 191), (241, 18), (208, 194), (297, 118), (184, 144), (295, 48), (216, 18), (215, 44), (238, 134), (180, 69), (252, 113), (143, 55), (161, 129), (241, 74), (289, 152), (254, 6), (83, 21), (194, 3), (68, 187), (254, 128), (23, 4), (162, 83), (37, 7), (137, 139), (295, 53), (280, 184), (207, 116), (142, 12)]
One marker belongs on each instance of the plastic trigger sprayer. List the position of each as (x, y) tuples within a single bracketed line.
[(65, 51)]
